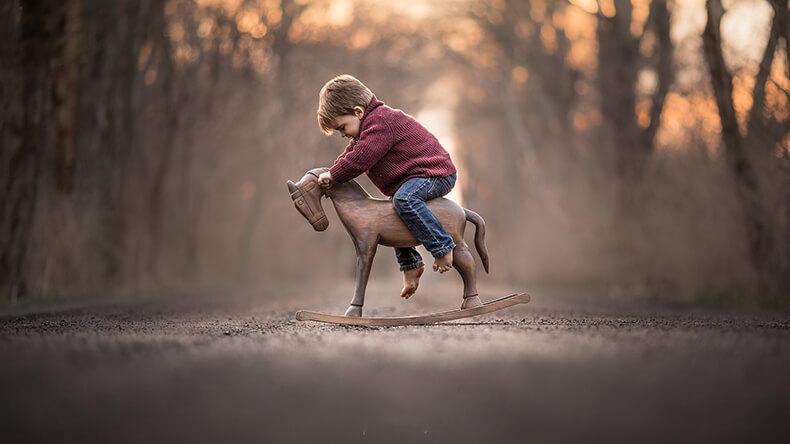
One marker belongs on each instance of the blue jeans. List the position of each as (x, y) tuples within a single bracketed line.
[(409, 202)]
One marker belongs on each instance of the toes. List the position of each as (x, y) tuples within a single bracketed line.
[(442, 267), (407, 292)]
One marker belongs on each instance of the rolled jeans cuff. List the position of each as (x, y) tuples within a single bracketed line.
[(412, 266), (443, 251)]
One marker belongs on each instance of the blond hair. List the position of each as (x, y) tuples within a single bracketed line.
[(338, 98)]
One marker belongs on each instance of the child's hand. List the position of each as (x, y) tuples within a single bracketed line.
[(325, 180)]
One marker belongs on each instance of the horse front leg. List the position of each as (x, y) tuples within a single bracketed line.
[(366, 251)]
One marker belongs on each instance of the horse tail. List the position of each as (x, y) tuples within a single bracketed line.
[(480, 236)]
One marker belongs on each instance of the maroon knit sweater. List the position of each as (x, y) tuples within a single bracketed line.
[(392, 147)]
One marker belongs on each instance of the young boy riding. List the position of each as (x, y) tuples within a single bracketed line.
[(402, 159)]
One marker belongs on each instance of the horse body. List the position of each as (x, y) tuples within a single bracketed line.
[(371, 222), (377, 217)]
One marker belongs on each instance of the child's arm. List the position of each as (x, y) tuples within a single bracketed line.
[(373, 143)]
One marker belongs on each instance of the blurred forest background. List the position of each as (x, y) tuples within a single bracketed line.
[(642, 145)]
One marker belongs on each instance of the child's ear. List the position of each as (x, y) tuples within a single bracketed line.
[(359, 112)]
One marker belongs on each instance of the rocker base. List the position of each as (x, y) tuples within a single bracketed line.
[(488, 307)]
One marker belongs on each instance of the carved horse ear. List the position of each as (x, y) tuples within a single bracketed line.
[(291, 187)]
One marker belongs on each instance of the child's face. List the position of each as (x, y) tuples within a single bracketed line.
[(348, 125)]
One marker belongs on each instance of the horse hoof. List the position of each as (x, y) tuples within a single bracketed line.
[(471, 302), (354, 311)]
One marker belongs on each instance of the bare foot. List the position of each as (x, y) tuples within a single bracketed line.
[(411, 280), (444, 263)]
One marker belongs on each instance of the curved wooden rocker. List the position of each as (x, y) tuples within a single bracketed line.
[(431, 318), (371, 222)]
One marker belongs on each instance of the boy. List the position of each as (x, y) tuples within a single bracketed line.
[(402, 159)]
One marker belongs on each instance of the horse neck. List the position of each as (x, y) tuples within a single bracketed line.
[(348, 191)]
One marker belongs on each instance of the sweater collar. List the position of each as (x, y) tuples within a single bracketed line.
[(374, 103)]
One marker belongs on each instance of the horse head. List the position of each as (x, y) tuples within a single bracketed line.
[(307, 195)]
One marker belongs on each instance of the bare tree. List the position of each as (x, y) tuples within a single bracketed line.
[(742, 149), (619, 65), (28, 129)]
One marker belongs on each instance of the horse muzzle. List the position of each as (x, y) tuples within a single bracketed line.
[(321, 224), (302, 201)]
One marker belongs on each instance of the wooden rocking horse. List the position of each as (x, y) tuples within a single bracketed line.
[(371, 222)]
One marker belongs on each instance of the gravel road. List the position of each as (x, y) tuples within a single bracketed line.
[(570, 366)]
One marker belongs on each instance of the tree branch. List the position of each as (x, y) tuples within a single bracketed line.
[(782, 13), (661, 19), (721, 78), (758, 94)]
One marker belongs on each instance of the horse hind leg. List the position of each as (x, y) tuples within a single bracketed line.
[(464, 263)]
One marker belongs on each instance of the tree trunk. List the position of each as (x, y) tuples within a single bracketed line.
[(29, 135), (659, 20), (747, 189), (156, 198), (65, 76), (618, 66)]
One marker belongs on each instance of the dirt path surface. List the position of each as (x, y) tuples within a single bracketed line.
[(236, 367)]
